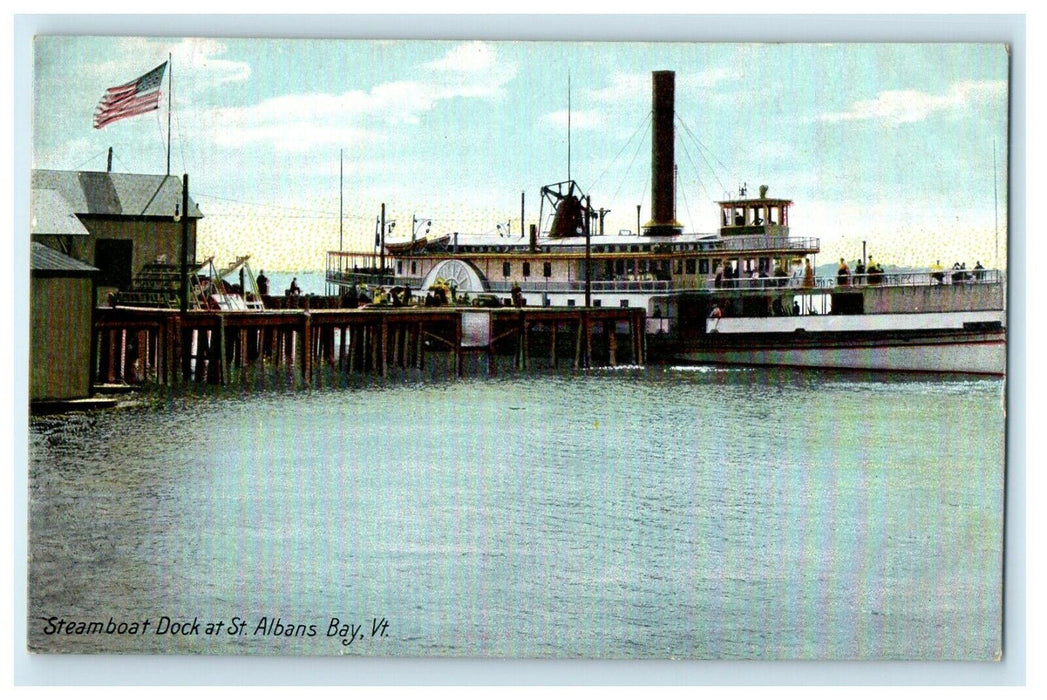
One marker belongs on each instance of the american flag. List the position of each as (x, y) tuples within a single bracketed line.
[(127, 100)]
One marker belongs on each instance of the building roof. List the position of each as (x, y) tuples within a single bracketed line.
[(45, 259), (110, 194), (51, 214)]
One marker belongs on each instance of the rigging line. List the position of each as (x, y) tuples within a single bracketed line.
[(122, 163), (702, 145), (614, 160), (181, 143), (316, 213), (706, 160), (683, 191), (687, 206), (160, 130), (697, 173), (629, 169), (96, 155)]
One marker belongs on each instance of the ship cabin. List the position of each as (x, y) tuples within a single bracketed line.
[(755, 217)]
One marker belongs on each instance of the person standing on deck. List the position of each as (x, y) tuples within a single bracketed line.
[(263, 284), (808, 274), (843, 274)]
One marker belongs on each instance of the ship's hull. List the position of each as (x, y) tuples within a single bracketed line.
[(961, 351)]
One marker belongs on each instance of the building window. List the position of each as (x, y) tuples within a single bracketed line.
[(690, 266), (624, 303), (506, 269), (547, 269), (527, 269)]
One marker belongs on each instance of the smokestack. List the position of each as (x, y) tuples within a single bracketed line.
[(663, 158)]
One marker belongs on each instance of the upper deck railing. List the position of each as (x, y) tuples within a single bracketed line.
[(648, 284)]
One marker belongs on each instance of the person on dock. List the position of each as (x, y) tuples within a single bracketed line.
[(263, 284)]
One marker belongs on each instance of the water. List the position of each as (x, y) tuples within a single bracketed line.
[(683, 513)]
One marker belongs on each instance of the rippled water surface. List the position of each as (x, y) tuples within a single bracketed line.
[(696, 513)]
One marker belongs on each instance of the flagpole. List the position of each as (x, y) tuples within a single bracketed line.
[(170, 77)]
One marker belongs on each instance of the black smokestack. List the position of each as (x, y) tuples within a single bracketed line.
[(663, 156)]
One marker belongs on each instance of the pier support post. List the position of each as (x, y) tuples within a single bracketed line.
[(384, 339), (458, 369), (419, 354), (223, 365), (307, 349), (552, 344)]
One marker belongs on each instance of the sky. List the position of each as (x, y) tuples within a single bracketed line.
[(902, 146)]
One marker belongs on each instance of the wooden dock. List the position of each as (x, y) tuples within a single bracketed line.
[(314, 346)]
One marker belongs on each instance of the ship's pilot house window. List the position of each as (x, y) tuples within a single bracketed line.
[(547, 269), (527, 269), (506, 269)]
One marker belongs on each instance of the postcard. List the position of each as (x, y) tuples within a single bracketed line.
[(518, 349)]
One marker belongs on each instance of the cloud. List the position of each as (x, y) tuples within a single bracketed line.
[(473, 57), (895, 107), (202, 56), (303, 121), (630, 87)]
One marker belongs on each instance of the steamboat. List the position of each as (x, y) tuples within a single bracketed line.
[(745, 294)]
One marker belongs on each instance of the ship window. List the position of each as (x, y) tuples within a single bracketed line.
[(399, 267), (690, 266), (527, 269), (414, 267), (547, 269), (703, 266), (506, 269), (624, 303), (619, 267), (634, 249), (679, 267), (570, 302), (608, 269), (597, 302)]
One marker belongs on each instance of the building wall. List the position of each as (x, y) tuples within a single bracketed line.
[(60, 337), (151, 238)]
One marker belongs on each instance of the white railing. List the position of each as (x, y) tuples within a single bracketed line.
[(915, 278)]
